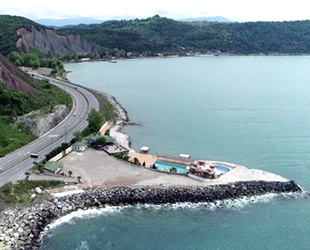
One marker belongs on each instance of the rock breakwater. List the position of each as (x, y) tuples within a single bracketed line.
[(22, 228)]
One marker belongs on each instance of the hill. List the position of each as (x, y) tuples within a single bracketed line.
[(152, 36), (156, 34), (20, 94), (21, 34), (14, 78)]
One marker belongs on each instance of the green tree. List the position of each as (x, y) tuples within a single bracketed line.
[(27, 175), (101, 140), (18, 63), (15, 57), (79, 179), (78, 135), (173, 170), (136, 161), (54, 64), (70, 173), (40, 167), (95, 120), (35, 64), (30, 59)]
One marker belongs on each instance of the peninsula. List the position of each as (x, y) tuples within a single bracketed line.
[(107, 181)]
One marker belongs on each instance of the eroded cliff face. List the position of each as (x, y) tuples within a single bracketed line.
[(13, 77), (47, 40), (40, 124)]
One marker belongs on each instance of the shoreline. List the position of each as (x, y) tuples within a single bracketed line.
[(121, 121), (24, 228), (214, 54)]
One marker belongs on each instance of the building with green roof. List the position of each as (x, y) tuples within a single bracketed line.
[(52, 166), (82, 145)]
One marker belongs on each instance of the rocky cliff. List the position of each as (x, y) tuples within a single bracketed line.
[(48, 41), (39, 123), (13, 77)]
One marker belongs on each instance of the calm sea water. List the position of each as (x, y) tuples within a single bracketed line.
[(252, 111)]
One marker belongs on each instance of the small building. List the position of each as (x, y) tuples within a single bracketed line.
[(90, 140), (79, 146), (53, 167), (144, 150)]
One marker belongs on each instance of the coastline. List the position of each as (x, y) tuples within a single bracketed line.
[(24, 228), (121, 121), (45, 213)]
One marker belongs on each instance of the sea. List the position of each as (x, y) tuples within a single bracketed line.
[(249, 110)]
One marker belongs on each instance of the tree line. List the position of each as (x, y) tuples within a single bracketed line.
[(157, 34), (160, 35)]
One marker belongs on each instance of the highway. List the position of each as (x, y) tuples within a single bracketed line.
[(14, 164)]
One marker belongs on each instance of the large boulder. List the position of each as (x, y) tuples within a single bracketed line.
[(39, 123)]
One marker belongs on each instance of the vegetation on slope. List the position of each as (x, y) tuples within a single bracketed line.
[(156, 34), (13, 103), (162, 35), (35, 59), (8, 28), (20, 193)]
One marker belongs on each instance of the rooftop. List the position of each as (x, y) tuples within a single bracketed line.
[(52, 166)]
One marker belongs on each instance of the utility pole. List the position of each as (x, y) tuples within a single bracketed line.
[(65, 134)]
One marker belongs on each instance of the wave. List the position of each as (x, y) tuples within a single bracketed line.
[(235, 204), (83, 246), (84, 214)]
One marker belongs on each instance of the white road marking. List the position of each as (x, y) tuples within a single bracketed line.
[(52, 135)]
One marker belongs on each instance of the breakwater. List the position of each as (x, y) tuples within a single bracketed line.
[(21, 228)]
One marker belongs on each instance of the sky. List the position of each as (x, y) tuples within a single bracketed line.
[(235, 10)]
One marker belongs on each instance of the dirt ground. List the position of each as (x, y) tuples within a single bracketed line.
[(42, 70), (97, 168)]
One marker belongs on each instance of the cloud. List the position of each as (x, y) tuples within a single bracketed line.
[(265, 10)]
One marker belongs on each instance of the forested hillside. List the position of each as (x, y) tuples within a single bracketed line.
[(152, 36), (22, 35), (162, 35), (20, 94), (8, 35)]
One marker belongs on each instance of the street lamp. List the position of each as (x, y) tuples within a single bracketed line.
[(22, 156)]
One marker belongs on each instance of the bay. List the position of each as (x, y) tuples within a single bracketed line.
[(252, 111)]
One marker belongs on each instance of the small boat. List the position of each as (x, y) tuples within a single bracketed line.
[(113, 60)]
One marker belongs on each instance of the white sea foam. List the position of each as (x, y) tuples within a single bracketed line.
[(84, 214), (235, 204), (83, 246)]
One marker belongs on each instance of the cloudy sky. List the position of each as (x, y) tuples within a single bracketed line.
[(236, 10)]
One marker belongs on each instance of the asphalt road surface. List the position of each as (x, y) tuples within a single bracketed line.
[(20, 161)]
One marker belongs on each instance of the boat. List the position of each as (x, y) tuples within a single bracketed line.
[(113, 60)]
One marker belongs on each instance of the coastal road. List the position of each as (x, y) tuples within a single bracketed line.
[(15, 164)]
